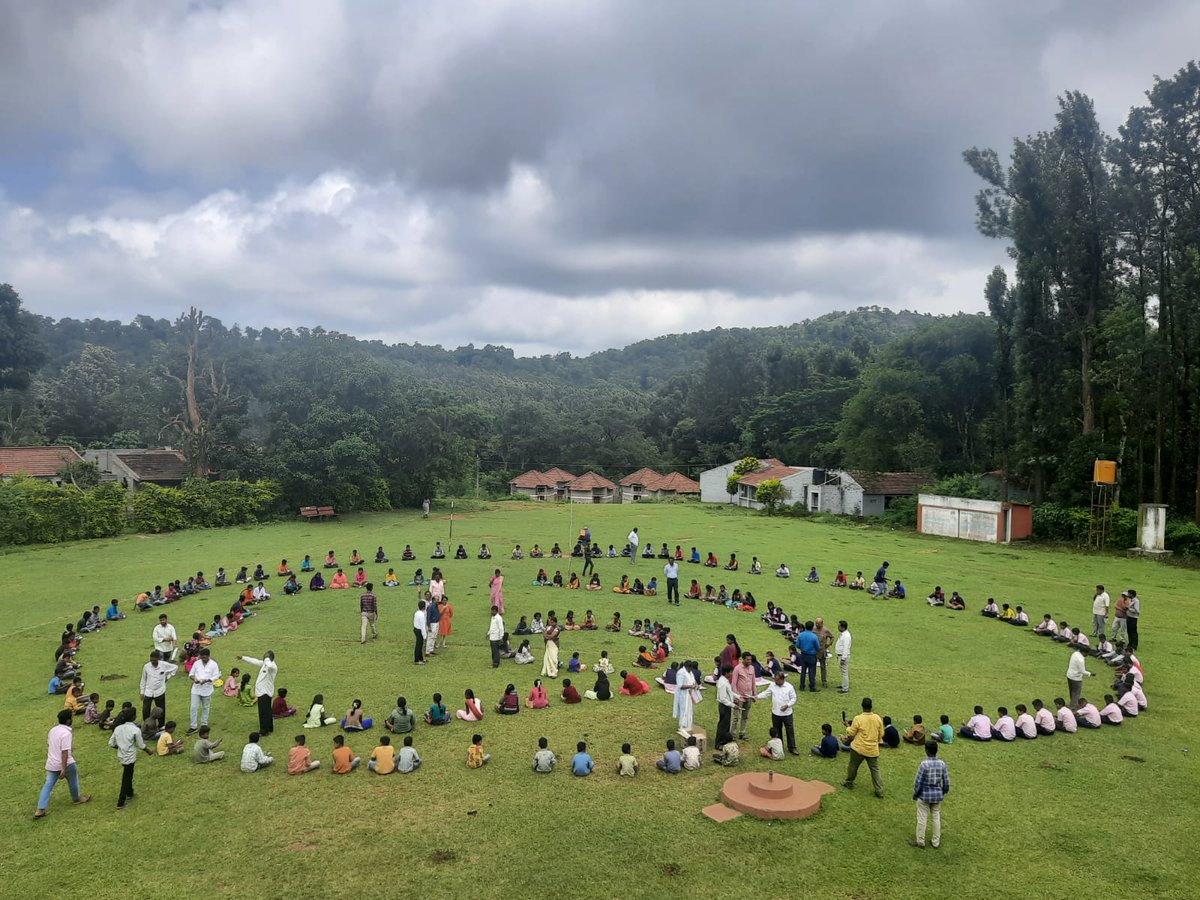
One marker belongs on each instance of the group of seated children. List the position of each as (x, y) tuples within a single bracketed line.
[(649, 589), (938, 598), (177, 590), (544, 580), (1128, 702), (1004, 613), (721, 596)]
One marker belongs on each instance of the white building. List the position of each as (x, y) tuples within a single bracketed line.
[(713, 482)]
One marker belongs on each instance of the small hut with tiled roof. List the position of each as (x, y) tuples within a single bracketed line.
[(591, 488)]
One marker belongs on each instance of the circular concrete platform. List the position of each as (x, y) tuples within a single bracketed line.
[(766, 795)]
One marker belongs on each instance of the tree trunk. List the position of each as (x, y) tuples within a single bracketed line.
[(1087, 391)]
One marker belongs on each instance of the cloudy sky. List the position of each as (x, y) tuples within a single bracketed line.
[(550, 176)]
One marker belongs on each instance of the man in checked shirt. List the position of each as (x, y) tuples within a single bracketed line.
[(930, 788)]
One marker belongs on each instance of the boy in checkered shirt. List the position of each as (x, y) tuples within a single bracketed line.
[(930, 788)]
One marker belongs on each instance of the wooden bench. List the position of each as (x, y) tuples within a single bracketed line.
[(318, 512)]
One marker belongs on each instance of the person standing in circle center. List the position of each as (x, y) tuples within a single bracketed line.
[(550, 636), (671, 571), (634, 540), (497, 585)]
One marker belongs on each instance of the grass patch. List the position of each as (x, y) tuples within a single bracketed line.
[(450, 831)]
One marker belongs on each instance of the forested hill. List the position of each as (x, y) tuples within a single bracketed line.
[(362, 423), (644, 364)]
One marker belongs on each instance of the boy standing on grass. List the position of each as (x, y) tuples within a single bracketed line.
[(930, 788)]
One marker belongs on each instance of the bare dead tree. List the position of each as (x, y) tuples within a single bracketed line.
[(205, 394)]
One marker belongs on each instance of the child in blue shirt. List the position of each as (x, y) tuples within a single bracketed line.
[(829, 746), (581, 762), (672, 761)]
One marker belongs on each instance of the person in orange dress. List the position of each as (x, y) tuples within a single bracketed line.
[(444, 624)]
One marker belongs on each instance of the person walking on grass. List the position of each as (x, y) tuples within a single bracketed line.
[(866, 731), (930, 788), (126, 739), (264, 688), (60, 763), (368, 608)]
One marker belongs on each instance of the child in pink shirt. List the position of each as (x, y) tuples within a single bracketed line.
[(1111, 714), (978, 727), (1066, 718), (1087, 715)]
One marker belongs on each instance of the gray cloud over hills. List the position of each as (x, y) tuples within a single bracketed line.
[(548, 176)]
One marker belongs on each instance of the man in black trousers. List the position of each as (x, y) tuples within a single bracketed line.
[(264, 688)]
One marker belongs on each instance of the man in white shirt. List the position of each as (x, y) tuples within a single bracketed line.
[(264, 688), (495, 635), (841, 650), (1076, 671), (165, 640), (1099, 611), (419, 634), (153, 688), (204, 672), (253, 757), (1043, 719), (261, 593), (725, 703), (783, 704), (671, 573), (1004, 729), (634, 540)]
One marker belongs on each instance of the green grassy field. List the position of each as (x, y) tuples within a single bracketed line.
[(1113, 808)]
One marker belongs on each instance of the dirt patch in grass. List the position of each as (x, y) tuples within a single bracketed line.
[(300, 847), (444, 856), (672, 870), (1132, 758)]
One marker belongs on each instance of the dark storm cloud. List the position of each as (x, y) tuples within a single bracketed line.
[(448, 166)]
